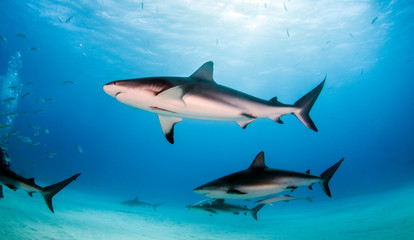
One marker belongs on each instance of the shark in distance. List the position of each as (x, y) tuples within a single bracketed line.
[(260, 181), (200, 97), (15, 181), (216, 206), (137, 203)]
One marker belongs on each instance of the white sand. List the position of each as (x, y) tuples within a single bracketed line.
[(384, 215)]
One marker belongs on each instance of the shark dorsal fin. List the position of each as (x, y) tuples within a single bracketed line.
[(308, 172), (31, 180), (205, 72), (258, 162)]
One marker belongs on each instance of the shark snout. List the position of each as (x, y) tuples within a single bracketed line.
[(111, 89)]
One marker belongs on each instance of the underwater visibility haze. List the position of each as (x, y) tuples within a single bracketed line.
[(234, 81)]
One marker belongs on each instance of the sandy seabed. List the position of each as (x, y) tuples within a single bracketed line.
[(382, 215)]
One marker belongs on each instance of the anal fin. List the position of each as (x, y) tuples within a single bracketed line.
[(167, 125)]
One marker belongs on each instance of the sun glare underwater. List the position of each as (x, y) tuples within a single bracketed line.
[(247, 119)]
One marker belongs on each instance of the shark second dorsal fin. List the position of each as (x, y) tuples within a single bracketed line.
[(205, 72), (258, 162)]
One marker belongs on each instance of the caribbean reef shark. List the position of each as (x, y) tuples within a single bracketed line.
[(135, 202), (260, 181), (200, 97), (216, 206), (15, 181)]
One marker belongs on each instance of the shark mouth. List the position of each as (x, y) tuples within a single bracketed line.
[(117, 94)]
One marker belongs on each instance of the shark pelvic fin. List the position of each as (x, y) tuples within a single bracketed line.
[(205, 72), (174, 96), (167, 125), (243, 123), (258, 162)]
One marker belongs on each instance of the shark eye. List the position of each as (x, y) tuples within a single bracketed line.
[(115, 83)]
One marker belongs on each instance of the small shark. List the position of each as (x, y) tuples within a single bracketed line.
[(260, 181), (200, 97), (285, 198), (216, 206), (15, 181), (135, 202)]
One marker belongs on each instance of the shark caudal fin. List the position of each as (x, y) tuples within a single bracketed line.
[(255, 210), (156, 205), (327, 175), (50, 191), (305, 104)]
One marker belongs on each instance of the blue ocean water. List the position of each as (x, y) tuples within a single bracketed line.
[(57, 55)]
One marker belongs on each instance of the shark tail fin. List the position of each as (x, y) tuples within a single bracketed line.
[(156, 205), (50, 191), (255, 210), (327, 175), (305, 104)]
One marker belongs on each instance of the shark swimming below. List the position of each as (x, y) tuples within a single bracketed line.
[(200, 97), (135, 202), (15, 181), (260, 181), (216, 206)]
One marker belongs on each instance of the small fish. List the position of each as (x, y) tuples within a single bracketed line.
[(32, 48), (80, 45), (28, 83), (21, 35), (34, 144), (23, 112), (48, 99), (284, 5), (68, 82), (79, 148), (287, 32), (373, 21), (26, 94), (12, 133), (3, 39), (12, 87), (4, 125), (38, 111), (40, 100), (9, 100), (84, 54), (69, 18), (50, 154), (10, 114), (45, 130), (34, 126), (350, 34), (24, 139)]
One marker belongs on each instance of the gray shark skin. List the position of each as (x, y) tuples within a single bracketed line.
[(15, 181), (285, 198), (260, 181), (137, 203), (200, 97), (216, 206)]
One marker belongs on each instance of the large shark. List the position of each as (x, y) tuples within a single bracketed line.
[(15, 181), (216, 206), (200, 97), (136, 202), (260, 181)]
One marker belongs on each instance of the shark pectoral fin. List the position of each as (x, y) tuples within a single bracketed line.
[(30, 194), (235, 191), (1, 191), (167, 125), (174, 96), (211, 211), (205, 72), (243, 123)]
